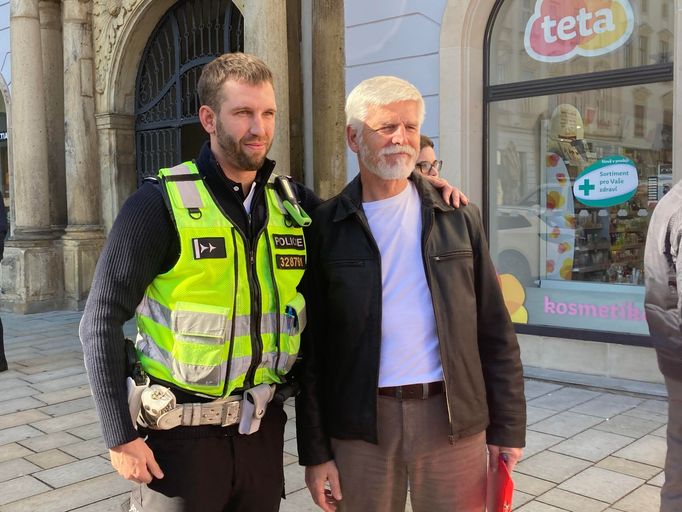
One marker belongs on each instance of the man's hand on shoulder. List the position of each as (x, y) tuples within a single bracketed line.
[(316, 478), (135, 461), (451, 195)]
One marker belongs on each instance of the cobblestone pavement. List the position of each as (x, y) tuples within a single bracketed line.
[(588, 449)]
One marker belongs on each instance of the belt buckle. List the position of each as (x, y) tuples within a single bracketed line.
[(231, 413)]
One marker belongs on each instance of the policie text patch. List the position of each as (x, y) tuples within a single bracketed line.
[(209, 248), (290, 261), (289, 241)]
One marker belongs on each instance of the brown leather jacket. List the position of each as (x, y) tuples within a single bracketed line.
[(341, 345)]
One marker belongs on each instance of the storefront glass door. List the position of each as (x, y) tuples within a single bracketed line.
[(579, 151)]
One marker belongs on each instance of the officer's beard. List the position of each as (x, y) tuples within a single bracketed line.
[(233, 152)]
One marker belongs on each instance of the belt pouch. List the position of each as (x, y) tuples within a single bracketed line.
[(254, 404), (135, 397)]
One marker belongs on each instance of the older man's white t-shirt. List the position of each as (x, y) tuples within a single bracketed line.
[(409, 343)]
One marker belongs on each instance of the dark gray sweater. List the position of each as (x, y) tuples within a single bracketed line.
[(142, 244)]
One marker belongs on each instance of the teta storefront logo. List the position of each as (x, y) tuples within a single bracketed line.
[(561, 29)]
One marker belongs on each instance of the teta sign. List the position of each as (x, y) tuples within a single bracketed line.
[(558, 31)]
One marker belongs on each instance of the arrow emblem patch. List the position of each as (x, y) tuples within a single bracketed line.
[(209, 248)]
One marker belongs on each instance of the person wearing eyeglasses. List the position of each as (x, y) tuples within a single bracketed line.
[(428, 165), (427, 162)]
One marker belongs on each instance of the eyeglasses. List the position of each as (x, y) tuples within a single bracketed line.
[(429, 168)]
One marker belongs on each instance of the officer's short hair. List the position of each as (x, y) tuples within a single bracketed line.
[(239, 67)]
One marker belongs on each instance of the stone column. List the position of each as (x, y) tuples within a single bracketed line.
[(265, 35), (29, 124), (116, 135), (329, 97), (84, 238), (53, 69), (32, 275)]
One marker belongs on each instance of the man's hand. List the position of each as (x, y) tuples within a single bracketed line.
[(451, 195), (135, 461), (513, 455), (316, 478)]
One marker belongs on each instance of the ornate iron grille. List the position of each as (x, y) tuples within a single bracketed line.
[(192, 33)]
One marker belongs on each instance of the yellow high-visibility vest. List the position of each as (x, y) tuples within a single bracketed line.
[(227, 316)]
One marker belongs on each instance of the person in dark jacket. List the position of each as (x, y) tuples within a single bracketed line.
[(3, 234), (411, 365), (663, 303)]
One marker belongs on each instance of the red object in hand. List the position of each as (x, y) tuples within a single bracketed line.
[(504, 487)]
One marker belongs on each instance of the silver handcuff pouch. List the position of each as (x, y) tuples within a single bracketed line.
[(254, 405)]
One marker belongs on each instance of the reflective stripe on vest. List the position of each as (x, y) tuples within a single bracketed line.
[(198, 328)]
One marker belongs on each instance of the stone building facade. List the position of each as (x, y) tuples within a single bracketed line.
[(78, 123)]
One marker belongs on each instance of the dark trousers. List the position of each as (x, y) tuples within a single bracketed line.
[(3, 359), (230, 473)]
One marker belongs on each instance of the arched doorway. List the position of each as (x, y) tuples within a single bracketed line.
[(189, 35)]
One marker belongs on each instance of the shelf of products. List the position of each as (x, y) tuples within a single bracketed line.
[(593, 268), (609, 241)]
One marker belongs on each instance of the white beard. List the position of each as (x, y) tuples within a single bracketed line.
[(377, 164)]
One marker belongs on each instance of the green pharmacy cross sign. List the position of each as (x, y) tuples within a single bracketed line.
[(586, 187), (607, 182)]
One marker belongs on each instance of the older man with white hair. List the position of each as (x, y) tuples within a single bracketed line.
[(411, 364)]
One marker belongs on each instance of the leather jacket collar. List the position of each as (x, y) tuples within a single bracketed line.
[(351, 197)]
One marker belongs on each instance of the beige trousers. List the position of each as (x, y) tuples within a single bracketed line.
[(413, 451)]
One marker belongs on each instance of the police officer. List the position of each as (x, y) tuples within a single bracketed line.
[(208, 260)]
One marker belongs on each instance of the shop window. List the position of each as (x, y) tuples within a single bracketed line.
[(576, 166), (561, 36)]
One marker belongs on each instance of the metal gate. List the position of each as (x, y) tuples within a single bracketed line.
[(192, 33)]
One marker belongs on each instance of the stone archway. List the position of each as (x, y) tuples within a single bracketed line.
[(461, 92), (121, 31), (191, 34)]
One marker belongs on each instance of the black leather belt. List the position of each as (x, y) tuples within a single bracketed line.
[(413, 391)]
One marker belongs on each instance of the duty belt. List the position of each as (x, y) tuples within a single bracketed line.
[(221, 412), (161, 412)]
